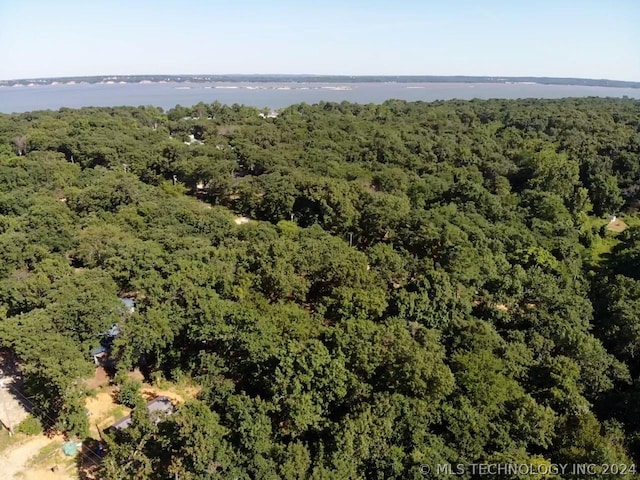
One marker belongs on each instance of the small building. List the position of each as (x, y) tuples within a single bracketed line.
[(101, 352), (13, 407), (129, 304), (99, 355), (193, 141), (114, 331), (271, 114), (158, 408), (123, 423)]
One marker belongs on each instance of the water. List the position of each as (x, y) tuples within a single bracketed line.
[(276, 95)]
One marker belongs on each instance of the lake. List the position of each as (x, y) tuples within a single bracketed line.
[(276, 95)]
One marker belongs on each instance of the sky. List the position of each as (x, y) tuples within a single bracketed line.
[(559, 38)]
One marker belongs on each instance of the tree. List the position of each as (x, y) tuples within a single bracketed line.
[(605, 195), (419, 283), (198, 448)]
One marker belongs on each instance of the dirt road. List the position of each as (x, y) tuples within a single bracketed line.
[(15, 458)]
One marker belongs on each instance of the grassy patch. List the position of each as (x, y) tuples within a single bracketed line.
[(30, 426), (45, 454), (602, 247), (118, 412), (185, 387), (593, 223), (632, 221), (111, 417), (7, 441)]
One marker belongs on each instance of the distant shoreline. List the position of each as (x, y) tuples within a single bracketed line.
[(277, 94), (147, 79)]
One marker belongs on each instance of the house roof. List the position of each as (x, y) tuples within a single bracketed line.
[(122, 423), (98, 351), (156, 408), (128, 302), (114, 331), (159, 405)]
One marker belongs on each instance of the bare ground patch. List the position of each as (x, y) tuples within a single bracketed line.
[(15, 460), (617, 226), (100, 379), (104, 411)]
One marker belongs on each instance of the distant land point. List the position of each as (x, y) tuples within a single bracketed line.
[(257, 78)]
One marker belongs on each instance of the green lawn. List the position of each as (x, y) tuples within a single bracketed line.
[(45, 454), (603, 246), (6, 440)]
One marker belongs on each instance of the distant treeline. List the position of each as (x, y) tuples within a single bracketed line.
[(325, 79)]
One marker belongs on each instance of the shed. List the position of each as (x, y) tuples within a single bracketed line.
[(157, 408), (99, 355)]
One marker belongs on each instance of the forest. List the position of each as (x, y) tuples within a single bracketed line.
[(356, 290)]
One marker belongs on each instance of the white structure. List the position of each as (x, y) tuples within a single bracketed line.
[(193, 140), (12, 409), (129, 304)]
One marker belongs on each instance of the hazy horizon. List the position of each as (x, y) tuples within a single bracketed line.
[(307, 75), (563, 39)]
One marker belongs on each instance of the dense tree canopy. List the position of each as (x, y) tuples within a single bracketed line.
[(403, 284)]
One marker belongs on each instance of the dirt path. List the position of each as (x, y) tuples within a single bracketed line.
[(15, 458), (45, 475)]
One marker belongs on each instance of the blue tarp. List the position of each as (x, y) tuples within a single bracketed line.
[(70, 449)]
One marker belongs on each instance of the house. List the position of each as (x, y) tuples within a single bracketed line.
[(158, 408)]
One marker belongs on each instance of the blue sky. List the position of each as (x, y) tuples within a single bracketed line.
[(577, 38)]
